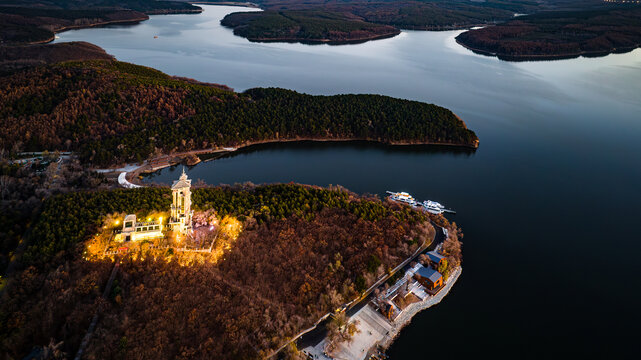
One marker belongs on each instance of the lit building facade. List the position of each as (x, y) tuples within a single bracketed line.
[(133, 230)]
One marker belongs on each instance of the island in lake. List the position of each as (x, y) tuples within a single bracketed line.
[(305, 26), (559, 35)]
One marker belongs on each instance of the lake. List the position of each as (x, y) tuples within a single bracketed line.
[(549, 203)]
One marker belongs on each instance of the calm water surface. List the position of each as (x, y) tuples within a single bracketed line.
[(549, 203)]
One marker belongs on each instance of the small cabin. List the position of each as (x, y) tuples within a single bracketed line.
[(435, 258), (429, 278)]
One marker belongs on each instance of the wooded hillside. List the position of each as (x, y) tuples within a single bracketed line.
[(112, 112), (303, 252)]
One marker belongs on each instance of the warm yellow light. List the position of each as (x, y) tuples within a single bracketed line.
[(160, 219), (117, 222), (148, 219)]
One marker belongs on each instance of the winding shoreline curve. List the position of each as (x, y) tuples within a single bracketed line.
[(132, 175)]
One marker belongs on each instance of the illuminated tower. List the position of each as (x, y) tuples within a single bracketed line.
[(181, 212)]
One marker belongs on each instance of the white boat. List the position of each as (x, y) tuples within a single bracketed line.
[(430, 206), (402, 197), (433, 207)]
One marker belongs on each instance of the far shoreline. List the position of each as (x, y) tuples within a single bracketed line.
[(551, 57), (131, 21), (228, 3), (323, 41)]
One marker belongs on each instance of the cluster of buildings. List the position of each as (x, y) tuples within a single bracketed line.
[(180, 220), (420, 281), (383, 317)]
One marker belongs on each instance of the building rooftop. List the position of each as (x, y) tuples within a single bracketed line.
[(429, 273), (182, 182), (434, 256)]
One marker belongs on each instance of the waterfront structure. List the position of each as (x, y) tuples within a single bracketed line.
[(435, 257), (181, 213), (133, 230), (429, 278)]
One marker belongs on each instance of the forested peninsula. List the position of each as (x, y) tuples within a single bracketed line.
[(559, 35), (302, 252), (111, 112), (305, 26)]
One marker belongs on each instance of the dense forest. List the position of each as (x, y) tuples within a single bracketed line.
[(303, 252), (305, 26), (24, 187), (559, 34), (109, 112), (24, 21)]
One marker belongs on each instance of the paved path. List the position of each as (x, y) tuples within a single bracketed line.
[(122, 180), (372, 328)]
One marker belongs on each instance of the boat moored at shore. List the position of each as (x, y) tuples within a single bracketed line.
[(403, 197), (430, 206)]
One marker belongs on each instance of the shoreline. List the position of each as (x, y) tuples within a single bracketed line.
[(378, 141), (132, 21), (324, 41), (378, 332), (178, 158), (413, 309), (520, 58), (227, 3)]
